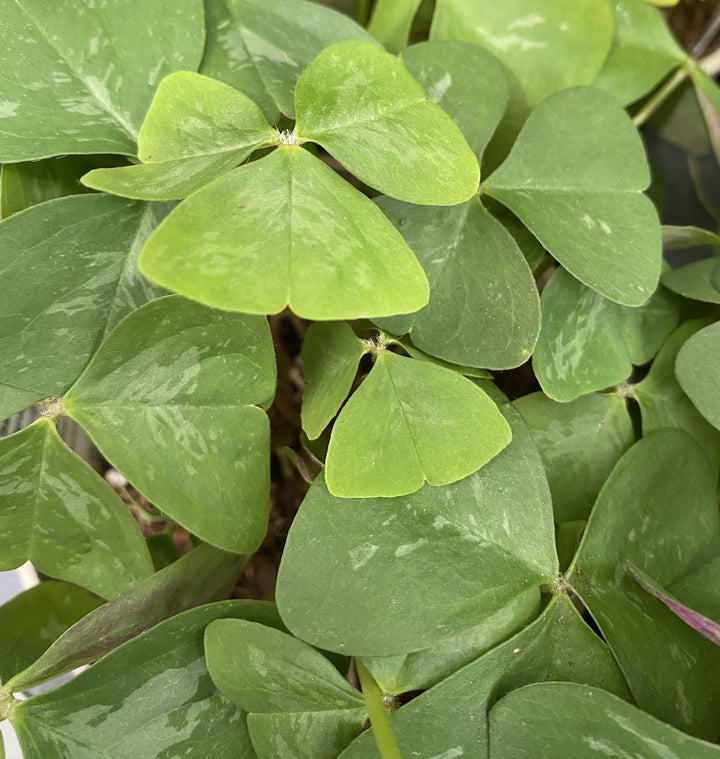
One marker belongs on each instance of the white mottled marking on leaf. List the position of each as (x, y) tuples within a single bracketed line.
[(440, 522), (510, 41), (407, 548), (605, 227), (451, 753), (526, 22), (360, 555), (588, 221), (437, 91), (7, 108)]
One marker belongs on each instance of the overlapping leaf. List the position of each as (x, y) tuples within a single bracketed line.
[(391, 22), (261, 48), (151, 697), (349, 562), (363, 106), (30, 622), (94, 69), (196, 129), (664, 404), (428, 424), (286, 230), (299, 705), (575, 178), (203, 575), (451, 719), (484, 308), (588, 343), (59, 513), (547, 44), (594, 725), (453, 73), (695, 280), (330, 353), (579, 442), (643, 52), (170, 398), (69, 275), (642, 516), (697, 369)]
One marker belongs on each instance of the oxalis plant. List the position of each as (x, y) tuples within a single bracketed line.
[(510, 416)]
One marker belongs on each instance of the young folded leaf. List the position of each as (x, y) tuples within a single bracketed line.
[(411, 422)]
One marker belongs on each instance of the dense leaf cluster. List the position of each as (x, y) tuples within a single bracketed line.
[(502, 577)]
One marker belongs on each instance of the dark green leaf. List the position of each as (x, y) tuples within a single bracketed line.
[(588, 343), (580, 442), (69, 275), (30, 622), (94, 69), (453, 73), (594, 725), (204, 574), (152, 698), (697, 369), (260, 48), (574, 177), (642, 516), (547, 44), (452, 717), (663, 402), (266, 670), (286, 230), (196, 129), (429, 424), (330, 354), (484, 308), (59, 513), (441, 559), (155, 401), (687, 237), (695, 280), (643, 53), (366, 110)]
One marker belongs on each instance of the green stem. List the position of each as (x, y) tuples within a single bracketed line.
[(384, 737), (363, 12), (662, 95)]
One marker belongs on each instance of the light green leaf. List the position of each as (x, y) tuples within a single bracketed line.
[(574, 177), (452, 717), (30, 622), (330, 354), (26, 184), (594, 725), (69, 275), (286, 230), (265, 670), (484, 308), (261, 48), (547, 44), (579, 442), (391, 22), (363, 106), (94, 69), (411, 422), (663, 402), (453, 73), (588, 343), (59, 513), (697, 369), (150, 698), (196, 129), (442, 558), (202, 575), (467, 371), (156, 401), (643, 52), (658, 510), (695, 280), (304, 735)]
